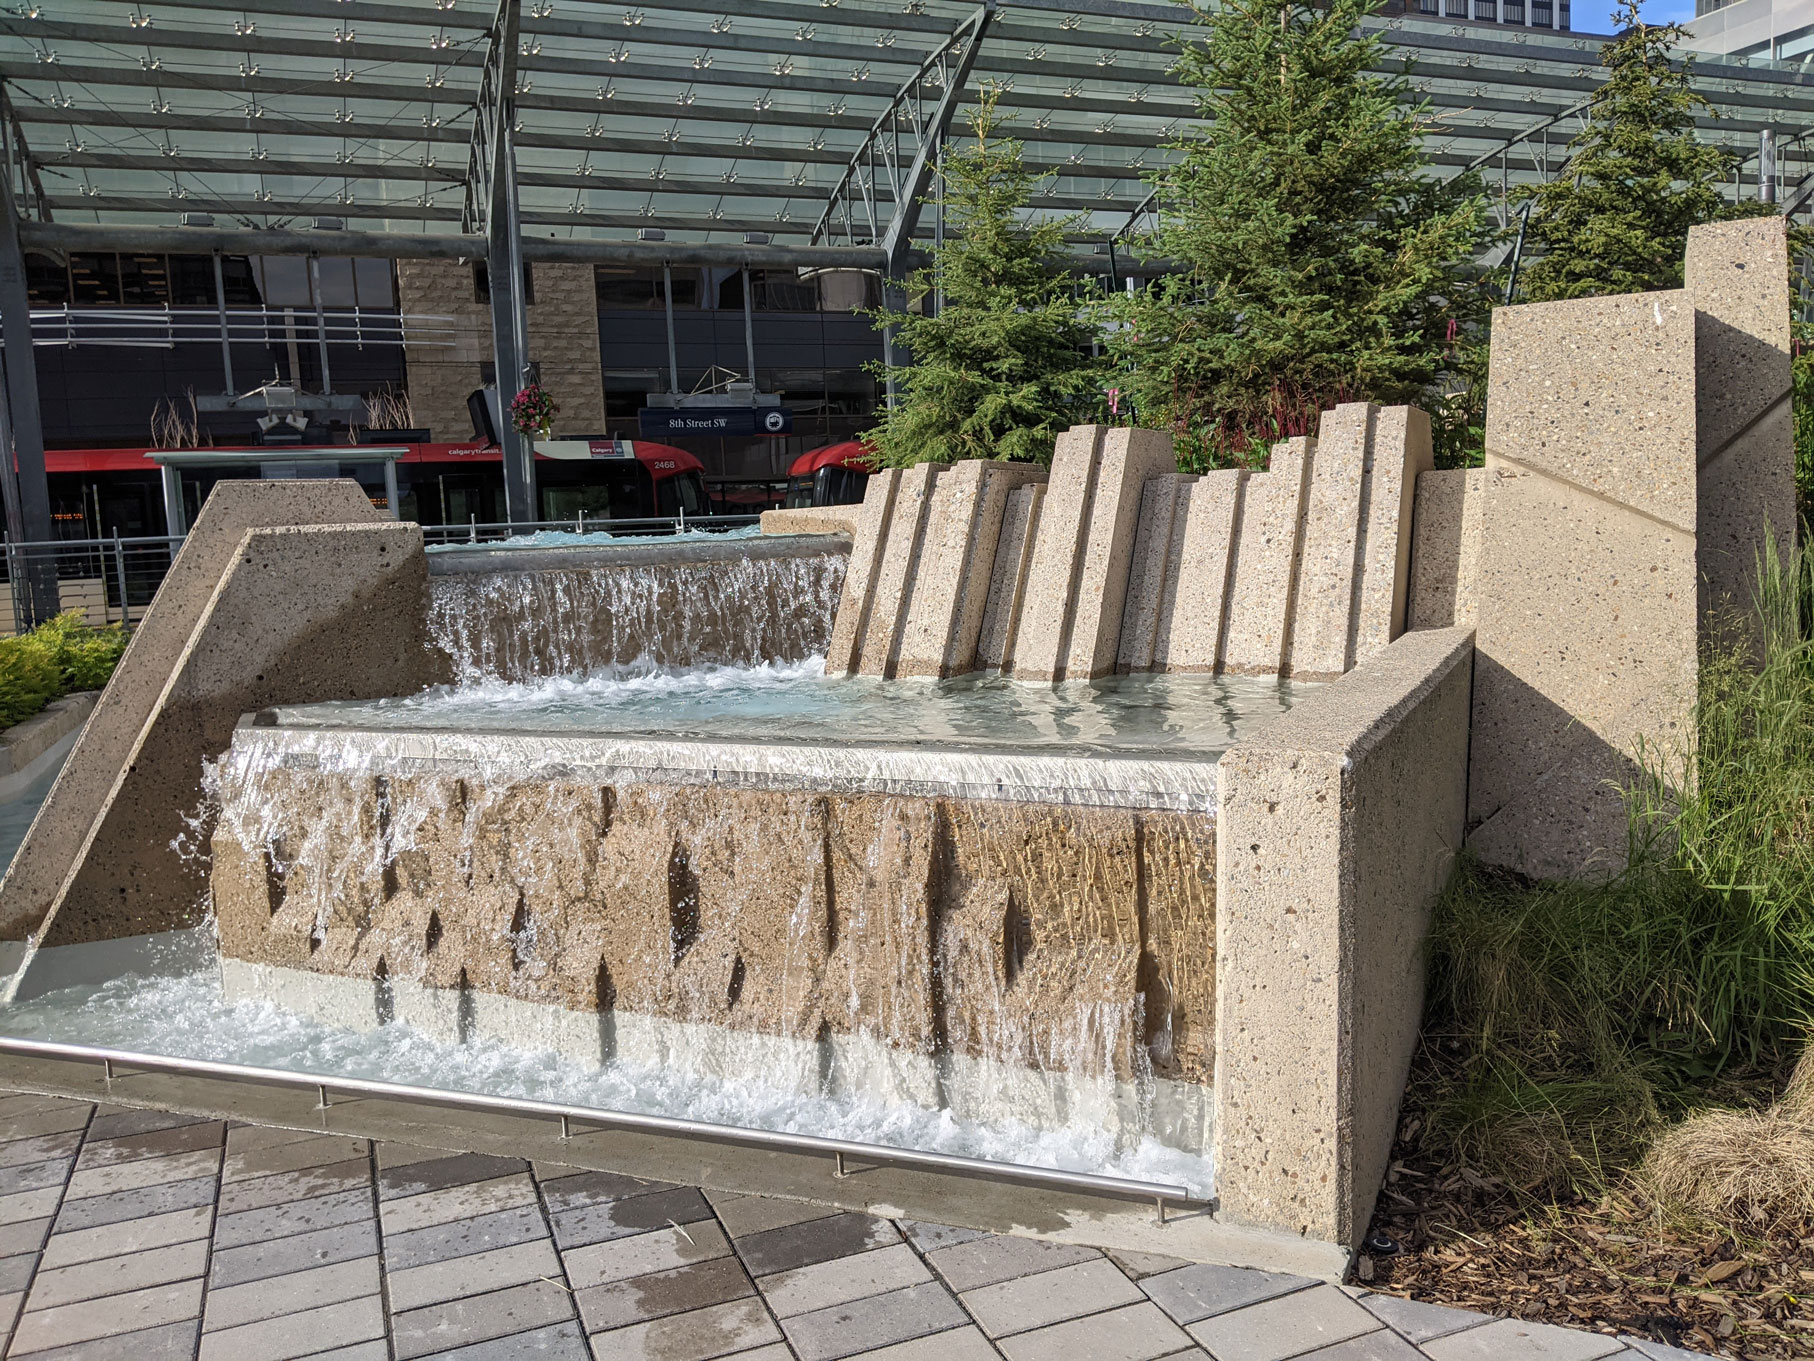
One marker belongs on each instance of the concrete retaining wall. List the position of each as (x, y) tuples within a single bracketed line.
[(1336, 828), (29, 749)]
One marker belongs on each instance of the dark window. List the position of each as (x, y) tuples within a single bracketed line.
[(144, 281), (1512, 11), (192, 280), (94, 280), (1486, 10), (286, 280), (1541, 14), (241, 281), (628, 287), (336, 279), (481, 283), (376, 283), (47, 281), (1562, 15), (1456, 9)]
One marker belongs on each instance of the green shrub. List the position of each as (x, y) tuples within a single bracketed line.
[(29, 678), (56, 658), (1568, 1022)]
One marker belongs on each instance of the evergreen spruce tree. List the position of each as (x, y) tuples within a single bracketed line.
[(1616, 219), (1004, 364), (1321, 261)]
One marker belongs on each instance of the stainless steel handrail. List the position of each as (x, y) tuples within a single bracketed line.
[(1161, 1193)]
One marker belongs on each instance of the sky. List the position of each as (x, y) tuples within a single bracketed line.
[(1666, 11)]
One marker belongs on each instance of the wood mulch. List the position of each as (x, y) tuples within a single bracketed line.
[(1616, 1265)]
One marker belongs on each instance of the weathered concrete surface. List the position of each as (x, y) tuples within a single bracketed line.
[(1587, 576), (953, 571), (1445, 562), (1320, 642), (1077, 589), (81, 795), (812, 520), (302, 613), (1399, 453), (1737, 279), (1336, 827)]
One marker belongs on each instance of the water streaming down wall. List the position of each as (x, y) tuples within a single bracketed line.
[(523, 615), (1048, 964)]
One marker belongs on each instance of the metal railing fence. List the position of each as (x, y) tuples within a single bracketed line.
[(163, 327), (112, 581)]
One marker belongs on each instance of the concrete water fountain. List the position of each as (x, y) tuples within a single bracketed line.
[(1115, 816)]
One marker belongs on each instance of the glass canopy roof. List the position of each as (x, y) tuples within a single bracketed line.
[(706, 119)]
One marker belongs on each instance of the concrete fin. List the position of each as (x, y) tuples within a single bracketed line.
[(1149, 582), (1445, 558), (1399, 454), (1264, 585), (871, 536), (1008, 578), (1327, 576), (1196, 603), (894, 580), (78, 801), (1043, 635), (951, 581), (1130, 458)]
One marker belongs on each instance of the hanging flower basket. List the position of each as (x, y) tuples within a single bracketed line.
[(532, 412)]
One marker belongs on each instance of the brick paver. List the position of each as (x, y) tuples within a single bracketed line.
[(131, 1235)]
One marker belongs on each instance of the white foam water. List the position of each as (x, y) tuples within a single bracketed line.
[(170, 1007)]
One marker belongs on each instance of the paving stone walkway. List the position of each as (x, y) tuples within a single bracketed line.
[(132, 1235)]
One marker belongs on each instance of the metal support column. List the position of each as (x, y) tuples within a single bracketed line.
[(749, 327), (220, 310), (24, 485), (667, 298), (1766, 166), (491, 207), (321, 325)]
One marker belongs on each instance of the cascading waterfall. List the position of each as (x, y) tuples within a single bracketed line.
[(520, 625)]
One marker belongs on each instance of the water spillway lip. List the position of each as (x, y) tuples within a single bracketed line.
[(506, 757), (459, 559), (326, 1086)]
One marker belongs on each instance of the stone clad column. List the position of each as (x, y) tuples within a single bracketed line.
[(1152, 583), (1588, 622), (1320, 644), (1008, 579), (1737, 278), (852, 622), (1196, 589), (899, 566)]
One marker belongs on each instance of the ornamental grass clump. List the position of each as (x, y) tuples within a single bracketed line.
[(1569, 1023)]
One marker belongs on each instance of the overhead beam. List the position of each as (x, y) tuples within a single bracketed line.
[(60, 237)]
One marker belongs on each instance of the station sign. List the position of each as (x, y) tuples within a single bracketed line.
[(656, 422)]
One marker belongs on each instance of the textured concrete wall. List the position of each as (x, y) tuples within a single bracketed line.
[(133, 697), (563, 339), (1737, 280), (1336, 827), (811, 520), (1587, 575), (1044, 938)]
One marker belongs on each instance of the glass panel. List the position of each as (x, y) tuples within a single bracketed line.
[(241, 281), (376, 283), (336, 278), (286, 280)]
